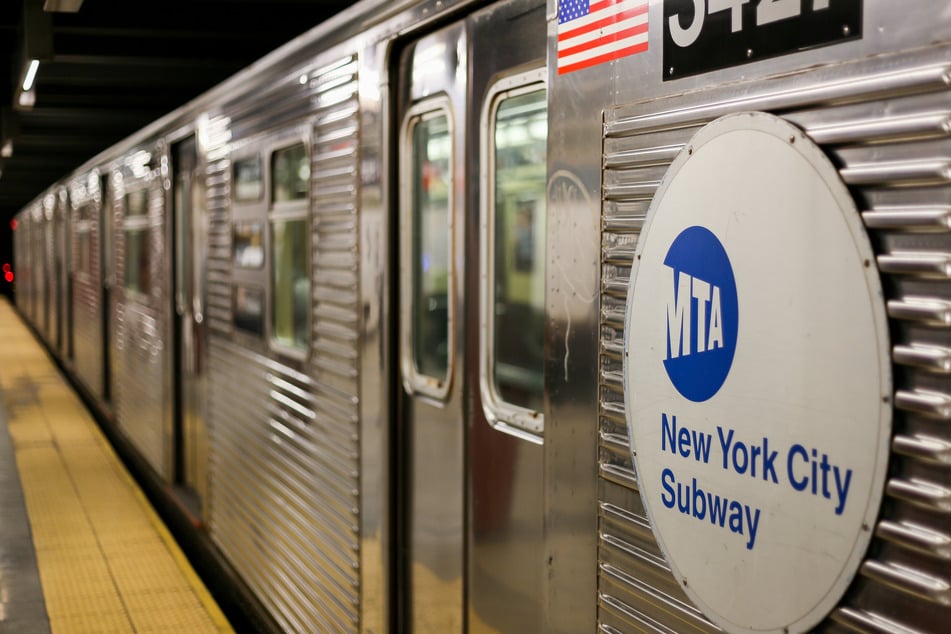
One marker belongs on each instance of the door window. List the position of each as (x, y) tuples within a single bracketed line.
[(290, 279), (513, 258), (427, 249), (138, 248)]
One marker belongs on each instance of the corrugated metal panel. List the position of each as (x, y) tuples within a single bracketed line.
[(285, 482), (216, 134), (20, 261), (886, 125), (87, 288), (49, 268), (142, 394), (334, 257)]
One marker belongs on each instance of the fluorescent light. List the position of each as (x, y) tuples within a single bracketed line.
[(31, 75)]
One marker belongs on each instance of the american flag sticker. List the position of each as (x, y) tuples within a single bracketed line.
[(592, 32)]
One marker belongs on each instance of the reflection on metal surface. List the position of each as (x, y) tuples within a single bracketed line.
[(285, 489), (910, 580), (86, 199), (928, 449), (916, 537), (867, 621), (897, 128), (922, 493), (927, 402), (899, 173), (141, 377), (927, 264), (931, 311), (933, 358), (936, 218)]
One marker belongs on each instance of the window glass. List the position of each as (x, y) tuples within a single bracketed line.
[(518, 282), (248, 245), (83, 228), (86, 211), (248, 180), (290, 171), (430, 234), (138, 276), (249, 310), (136, 203), (290, 283), (83, 251)]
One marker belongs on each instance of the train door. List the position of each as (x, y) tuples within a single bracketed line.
[(472, 136), (190, 440)]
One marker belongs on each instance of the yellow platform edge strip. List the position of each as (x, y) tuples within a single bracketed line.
[(61, 528)]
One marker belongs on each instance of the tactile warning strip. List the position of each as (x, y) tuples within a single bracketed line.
[(107, 563)]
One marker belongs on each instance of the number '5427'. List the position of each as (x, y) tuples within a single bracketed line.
[(767, 11)]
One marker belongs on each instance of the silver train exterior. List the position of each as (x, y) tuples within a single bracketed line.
[(364, 305)]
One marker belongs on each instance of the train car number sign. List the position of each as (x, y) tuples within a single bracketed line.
[(704, 35), (757, 376)]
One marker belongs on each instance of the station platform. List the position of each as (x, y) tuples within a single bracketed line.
[(81, 548)]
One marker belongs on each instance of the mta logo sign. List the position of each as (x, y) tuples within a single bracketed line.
[(702, 314)]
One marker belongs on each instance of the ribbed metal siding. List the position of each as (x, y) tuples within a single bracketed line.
[(217, 186), (87, 291), (20, 261), (142, 394), (49, 268), (285, 482), (889, 133), (22, 254), (40, 274), (334, 241)]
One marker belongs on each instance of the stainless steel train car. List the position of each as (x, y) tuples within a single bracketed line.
[(520, 316)]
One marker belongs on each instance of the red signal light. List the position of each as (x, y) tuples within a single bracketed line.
[(13, 224), (6, 267), (8, 276)]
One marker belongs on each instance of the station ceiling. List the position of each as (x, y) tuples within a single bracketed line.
[(109, 67)]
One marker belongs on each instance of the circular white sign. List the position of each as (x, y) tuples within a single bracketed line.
[(757, 376)]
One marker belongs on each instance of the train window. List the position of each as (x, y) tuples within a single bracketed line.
[(428, 238), (290, 283), (248, 245), (138, 274), (249, 310), (136, 203), (513, 260), (290, 173), (290, 270), (248, 179), (84, 249), (86, 211), (83, 228), (138, 257)]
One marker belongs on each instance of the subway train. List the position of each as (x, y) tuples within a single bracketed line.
[(524, 316)]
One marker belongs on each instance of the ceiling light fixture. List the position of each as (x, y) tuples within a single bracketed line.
[(31, 75), (37, 29)]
